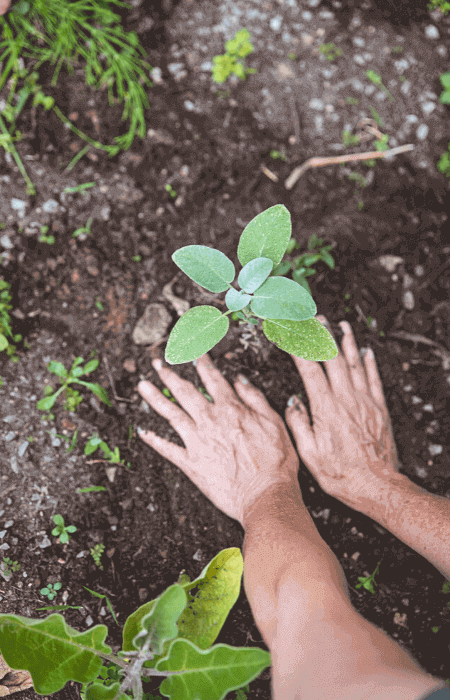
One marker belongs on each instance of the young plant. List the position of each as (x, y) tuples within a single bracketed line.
[(368, 581), (10, 566), (441, 5), (330, 51), (72, 396), (96, 554), (231, 62), (46, 239), (286, 308), (51, 591), (443, 164), (61, 530), (170, 636), (348, 139), (375, 78), (95, 442)]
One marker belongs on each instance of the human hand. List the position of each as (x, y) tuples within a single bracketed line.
[(4, 4), (350, 448), (236, 447)]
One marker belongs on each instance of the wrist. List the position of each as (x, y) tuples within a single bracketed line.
[(387, 496), (264, 504)]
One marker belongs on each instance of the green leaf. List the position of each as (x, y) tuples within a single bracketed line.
[(3, 342), (308, 339), (98, 391), (77, 372), (58, 519), (202, 620), (98, 691), (71, 528), (90, 366), (281, 298), (210, 268), (57, 368), (237, 300), (445, 98), (51, 651), (266, 236), (47, 403), (445, 80), (195, 333), (92, 445), (327, 258), (254, 274)]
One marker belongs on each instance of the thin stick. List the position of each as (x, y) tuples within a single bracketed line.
[(333, 160)]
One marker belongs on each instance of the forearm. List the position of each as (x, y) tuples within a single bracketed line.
[(417, 517), (280, 539)]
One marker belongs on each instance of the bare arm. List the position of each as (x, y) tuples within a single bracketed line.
[(415, 516)]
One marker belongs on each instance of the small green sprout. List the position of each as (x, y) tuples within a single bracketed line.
[(95, 442), (368, 582), (10, 566), (51, 591), (230, 62), (61, 530), (73, 398), (96, 553), (330, 51)]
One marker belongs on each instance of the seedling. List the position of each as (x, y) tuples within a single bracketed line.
[(99, 304), (441, 5), (330, 51), (10, 566), (67, 439), (277, 154), (83, 230), (66, 378), (51, 591), (368, 582), (376, 116), (170, 190), (375, 78), (285, 306), (231, 62), (46, 239), (95, 442), (351, 101), (348, 139), (60, 530), (96, 553), (443, 164)]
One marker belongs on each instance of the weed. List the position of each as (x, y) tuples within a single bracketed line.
[(83, 231), (351, 101), (5, 327), (277, 154), (231, 61), (10, 566), (368, 581), (170, 190), (46, 239), (348, 139), (330, 51), (96, 553), (375, 78), (67, 439), (72, 396), (64, 33), (61, 530), (441, 5), (51, 591), (443, 164), (95, 442)]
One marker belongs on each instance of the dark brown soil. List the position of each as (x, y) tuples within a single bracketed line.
[(152, 519)]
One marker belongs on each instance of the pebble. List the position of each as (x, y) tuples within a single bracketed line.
[(428, 107), (422, 132), (431, 32)]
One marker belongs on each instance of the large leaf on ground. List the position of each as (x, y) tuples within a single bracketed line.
[(51, 651), (196, 332), (308, 339), (266, 236), (203, 618)]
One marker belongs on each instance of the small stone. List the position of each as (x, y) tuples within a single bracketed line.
[(431, 32), (130, 365), (152, 326)]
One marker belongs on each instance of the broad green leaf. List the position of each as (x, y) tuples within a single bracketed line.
[(98, 691), (202, 620), (77, 372), (445, 97), (58, 519), (51, 651), (161, 623), (90, 366), (98, 391), (445, 80), (281, 298), (92, 445), (57, 368), (196, 332), (211, 674), (47, 403), (237, 300), (76, 362), (282, 268), (3, 342), (208, 267), (308, 339), (254, 274), (266, 236)]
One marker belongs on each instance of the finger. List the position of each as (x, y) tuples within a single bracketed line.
[(184, 391), (167, 449), (353, 357), (214, 381), (178, 418), (253, 398), (374, 382)]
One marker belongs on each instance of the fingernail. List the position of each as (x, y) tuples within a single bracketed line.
[(323, 320), (195, 363), (345, 326), (157, 364), (243, 379), (293, 400), (363, 352), (140, 431)]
